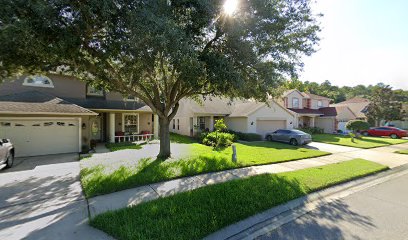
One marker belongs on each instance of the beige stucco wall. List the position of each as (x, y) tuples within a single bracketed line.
[(345, 115), (295, 94), (326, 123), (238, 124), (314, 102), (272, 112), (184, 126), (145, 122)]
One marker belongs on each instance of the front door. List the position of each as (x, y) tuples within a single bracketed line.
[(96, 128)]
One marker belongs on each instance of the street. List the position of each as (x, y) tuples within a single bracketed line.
[(379, 212)]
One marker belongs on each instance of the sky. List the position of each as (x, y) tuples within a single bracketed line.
[(362, 42)]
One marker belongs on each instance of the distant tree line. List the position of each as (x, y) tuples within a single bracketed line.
[(339, 94)]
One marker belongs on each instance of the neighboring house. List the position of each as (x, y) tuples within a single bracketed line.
[(351, 109), (243, 116), (403, 124), (311, 110), (59, 114)]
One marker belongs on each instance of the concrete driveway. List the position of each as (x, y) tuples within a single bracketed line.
[(41, 198)]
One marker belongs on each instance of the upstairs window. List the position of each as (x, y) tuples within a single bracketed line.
[(319, 103), (295, 102), (38, 81), (95, 92)]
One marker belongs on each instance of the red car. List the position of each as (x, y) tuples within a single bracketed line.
[(392, 132)]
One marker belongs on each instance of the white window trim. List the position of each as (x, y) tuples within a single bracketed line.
[(321, 103), (51, 85), (298, 102), (198, 122), (130, 114), (94, 94), (127, 99)]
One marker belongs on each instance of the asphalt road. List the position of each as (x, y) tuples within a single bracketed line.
[(379, 212)]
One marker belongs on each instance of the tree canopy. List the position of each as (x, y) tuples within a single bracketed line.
[(160, 51)]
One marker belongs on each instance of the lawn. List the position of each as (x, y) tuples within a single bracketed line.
[(365, 142), (197, 213), (402, 151), (102, 179)]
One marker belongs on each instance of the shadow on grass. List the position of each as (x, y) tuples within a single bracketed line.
[(177, 138), (124, 145), (197, 213), (99, 180)]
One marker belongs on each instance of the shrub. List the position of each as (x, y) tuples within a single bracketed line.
[(357, 125), (246, 136), (312, 130), (217, 139), (220, 126)]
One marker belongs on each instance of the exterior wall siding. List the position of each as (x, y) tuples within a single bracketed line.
[(297, 95), (327, 124), (238, 124)]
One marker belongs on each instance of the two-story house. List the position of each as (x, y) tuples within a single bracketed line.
[(60, 114), (311, 110)]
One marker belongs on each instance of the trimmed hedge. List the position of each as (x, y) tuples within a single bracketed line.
[(247, 136), (312, 130)]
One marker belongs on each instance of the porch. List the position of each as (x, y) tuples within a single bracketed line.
[(121, 126), (202, 123), (305, 121)]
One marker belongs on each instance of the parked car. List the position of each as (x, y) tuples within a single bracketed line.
[(6, 153), (392, 132), (294, 137)]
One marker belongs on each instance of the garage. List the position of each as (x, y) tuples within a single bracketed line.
[(32, 137), (265, 126)]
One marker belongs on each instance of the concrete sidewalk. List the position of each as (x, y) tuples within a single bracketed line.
[(134, 196)]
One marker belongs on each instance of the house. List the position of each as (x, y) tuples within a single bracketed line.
[(60, 114), (351, 109), (239, 115), (311, 110)]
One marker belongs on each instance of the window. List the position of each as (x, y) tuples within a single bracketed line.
[(174, 124), (201, 123), (5, 124), (47, 124), (295, 102), (38, 81), (131, 98), (92, 91), (61, 124), (131, 123), (178, 124), (319, 103)]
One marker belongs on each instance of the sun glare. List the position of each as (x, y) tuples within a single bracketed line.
[(230, 6)]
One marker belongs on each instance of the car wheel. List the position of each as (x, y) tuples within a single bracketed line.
[(269, 138), (365, 134), (394, 136), (293, 142), (10, 161)]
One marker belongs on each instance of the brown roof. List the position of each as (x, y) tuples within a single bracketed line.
[(355, 100), (34, 102), (323, 112), (314, 96)]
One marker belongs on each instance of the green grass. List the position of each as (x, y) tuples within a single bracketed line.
[(121, 146), (201, 159), (177, 138), (197, 213), (402, 151), (365, 142)]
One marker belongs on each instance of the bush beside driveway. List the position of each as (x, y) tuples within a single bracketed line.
[(364, 142), (101, 174), (197, 213)]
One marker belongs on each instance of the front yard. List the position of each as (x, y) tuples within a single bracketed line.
[(365, 142), (110, 175), (197, 213)]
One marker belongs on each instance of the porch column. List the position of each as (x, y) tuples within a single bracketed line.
[(112, 127), (156, 126), (312, 121), (195, 123), (211, 124)]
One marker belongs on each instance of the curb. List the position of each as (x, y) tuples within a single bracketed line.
[(275, 217)]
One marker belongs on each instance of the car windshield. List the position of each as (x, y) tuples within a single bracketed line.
[(298, 131)]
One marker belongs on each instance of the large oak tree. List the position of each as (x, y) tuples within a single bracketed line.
[(160, 51)]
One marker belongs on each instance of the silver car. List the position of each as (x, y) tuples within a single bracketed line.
[(294, 137), (6, 153)]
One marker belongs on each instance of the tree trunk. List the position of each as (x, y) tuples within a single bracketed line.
[(164, 138)]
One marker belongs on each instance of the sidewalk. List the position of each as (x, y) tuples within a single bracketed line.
[(134, 196)]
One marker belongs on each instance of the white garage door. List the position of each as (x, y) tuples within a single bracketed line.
[(265, 126), (40, 137)]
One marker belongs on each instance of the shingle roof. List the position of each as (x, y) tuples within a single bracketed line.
[(357, 105), (101, 103), (245, 108), (40, 103), (323, 112), (314, 96)]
